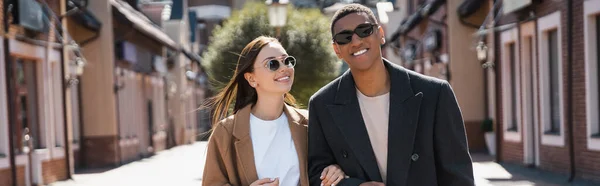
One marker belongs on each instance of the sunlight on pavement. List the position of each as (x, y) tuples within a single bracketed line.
[(180, 165), (491, 173)]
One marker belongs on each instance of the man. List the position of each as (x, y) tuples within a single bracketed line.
[(381, 123)]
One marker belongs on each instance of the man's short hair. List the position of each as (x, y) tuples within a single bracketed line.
[(351, 8)]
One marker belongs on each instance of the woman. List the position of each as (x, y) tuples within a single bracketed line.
[(265, 141)]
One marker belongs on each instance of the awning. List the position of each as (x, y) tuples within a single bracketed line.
[(468, 7), (192, 56), (83, 16), (142, 23)]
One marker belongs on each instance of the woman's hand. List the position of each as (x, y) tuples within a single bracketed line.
[(332, 175), (266, 182)]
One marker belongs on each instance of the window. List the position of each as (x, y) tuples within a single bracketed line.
[(513, 87), (551, 81), (597, 132), (592, 66), (510, 85), (4, 133), (75, 114), (26, 103), (554, 66)]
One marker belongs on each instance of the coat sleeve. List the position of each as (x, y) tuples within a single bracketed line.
[(215, 173), (452, 158), (319, 152)]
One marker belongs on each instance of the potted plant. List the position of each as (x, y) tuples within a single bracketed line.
[(487, 126)]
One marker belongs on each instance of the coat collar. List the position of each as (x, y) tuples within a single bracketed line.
[(403, 120), (243, 143), (400, 84)]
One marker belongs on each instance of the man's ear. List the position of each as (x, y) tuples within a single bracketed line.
[(336, 48)]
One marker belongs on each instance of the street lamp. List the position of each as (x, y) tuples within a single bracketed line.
[(482, 54), (277, 14), (77, 64)]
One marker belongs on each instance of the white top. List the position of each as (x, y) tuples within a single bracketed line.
[(274, 151), (375, 112)]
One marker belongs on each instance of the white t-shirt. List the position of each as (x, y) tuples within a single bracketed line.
[(375, 112), (274, 151)]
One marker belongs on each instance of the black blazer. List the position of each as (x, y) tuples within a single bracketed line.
[(427, 144)]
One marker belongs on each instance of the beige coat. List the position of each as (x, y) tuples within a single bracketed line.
[(230, 157)]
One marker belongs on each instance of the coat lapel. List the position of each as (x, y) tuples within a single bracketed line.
[(403, 119), (245, 152), (243, 145), (300, 138), (348, 118)]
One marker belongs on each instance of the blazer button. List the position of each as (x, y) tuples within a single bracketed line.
[(414, 157), (344, 154)]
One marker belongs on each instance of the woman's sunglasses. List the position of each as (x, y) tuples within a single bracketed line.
[(274, 64), (362, 31)]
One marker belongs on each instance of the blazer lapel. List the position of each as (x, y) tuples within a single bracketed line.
[(243, 145), (403, 120), (300, 138), (348, 118)]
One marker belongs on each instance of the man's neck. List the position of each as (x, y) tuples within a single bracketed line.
[(373, 82)]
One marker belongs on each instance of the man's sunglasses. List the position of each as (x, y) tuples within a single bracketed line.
[(362, 31), (274, 64)]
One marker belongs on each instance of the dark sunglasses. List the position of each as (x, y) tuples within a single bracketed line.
[(274, 64), (362, 31)]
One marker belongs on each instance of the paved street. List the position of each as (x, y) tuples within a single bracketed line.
[(182, 166)]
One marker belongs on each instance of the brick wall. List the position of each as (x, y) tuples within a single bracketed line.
[(587, 163), (475, 136), (21, 175), (100, 151), (5, 177), (77, 159), (512, 152), (130, 151), (54, 170), (557, 159), (160, 144), (551, 158)]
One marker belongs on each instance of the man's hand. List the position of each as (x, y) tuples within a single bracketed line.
[(372, 183)]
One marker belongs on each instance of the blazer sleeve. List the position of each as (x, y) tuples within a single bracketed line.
[(452, 158), (215, 173), (319, 152)]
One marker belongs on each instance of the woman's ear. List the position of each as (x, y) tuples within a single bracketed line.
[(250, 78)]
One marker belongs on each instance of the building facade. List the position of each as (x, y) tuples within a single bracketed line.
[(90, 85), (434, 39), (32, 143), (547, 77)]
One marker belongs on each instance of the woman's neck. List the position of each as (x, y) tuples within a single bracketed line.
[(268, 107)]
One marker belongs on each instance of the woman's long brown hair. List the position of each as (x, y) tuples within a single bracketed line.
[(238, 87)]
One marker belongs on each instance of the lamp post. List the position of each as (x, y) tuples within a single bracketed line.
[(277, 14)]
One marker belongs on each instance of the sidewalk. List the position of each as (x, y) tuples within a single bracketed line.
[(488, 172), (183, 166)]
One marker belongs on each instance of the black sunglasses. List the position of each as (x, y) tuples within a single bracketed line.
[(362, 31), (274, 64)]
